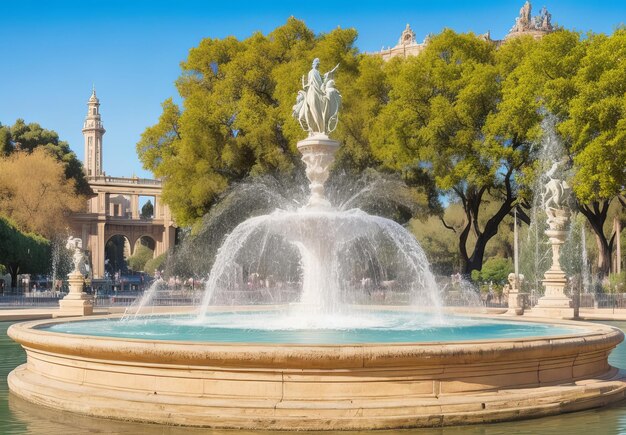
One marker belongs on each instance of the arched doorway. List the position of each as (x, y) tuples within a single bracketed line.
[(143, 251), (145, 242), (116, 254)]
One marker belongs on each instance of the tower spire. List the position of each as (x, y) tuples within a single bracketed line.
[(93, 132)]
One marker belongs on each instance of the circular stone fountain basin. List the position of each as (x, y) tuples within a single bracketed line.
[(289, 327), (358, 384)]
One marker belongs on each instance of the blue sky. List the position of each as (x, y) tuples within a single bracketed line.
[(53, 51)]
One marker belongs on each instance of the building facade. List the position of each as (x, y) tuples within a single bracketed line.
[(525, 24), (114, 209)]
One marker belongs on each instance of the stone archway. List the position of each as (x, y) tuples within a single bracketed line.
[(144, 250), (117, 250), (146, 241)]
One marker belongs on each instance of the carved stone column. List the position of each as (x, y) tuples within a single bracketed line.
[(555, 303), (318, 153)]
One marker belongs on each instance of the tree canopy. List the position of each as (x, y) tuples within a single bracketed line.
[(457, 112), (460, 123), (35, 193), (22, 252), (236, 119), (28, 137), (581, 81)]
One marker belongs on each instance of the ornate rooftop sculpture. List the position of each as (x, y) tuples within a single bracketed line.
[(407, 45), (526, 24), (407, 37)]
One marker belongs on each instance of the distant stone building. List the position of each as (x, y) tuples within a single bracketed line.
[(114, 210), (407, 46), (525, 24)]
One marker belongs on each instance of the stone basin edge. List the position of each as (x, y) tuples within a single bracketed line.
[(592, 338)]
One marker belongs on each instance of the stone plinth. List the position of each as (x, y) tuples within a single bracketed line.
[(318, 153), (516, 303), (318, 387), (77, 302), (554, 303), (515, 297)]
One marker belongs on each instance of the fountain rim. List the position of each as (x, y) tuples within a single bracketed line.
[(32, 336)]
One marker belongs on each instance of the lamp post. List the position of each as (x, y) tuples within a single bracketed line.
[(515, 300)]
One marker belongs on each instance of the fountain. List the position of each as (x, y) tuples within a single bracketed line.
[(291, 333), (556, 202)]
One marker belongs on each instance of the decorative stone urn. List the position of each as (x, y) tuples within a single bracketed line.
[(318, 153), (555, 303), (77, 302)]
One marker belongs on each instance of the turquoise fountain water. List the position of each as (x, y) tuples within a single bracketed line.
[(284, 327)]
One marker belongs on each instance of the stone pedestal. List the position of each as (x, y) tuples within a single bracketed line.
[(554, 303), (318, 153), (516, 297), (77, 302), (516, 304)]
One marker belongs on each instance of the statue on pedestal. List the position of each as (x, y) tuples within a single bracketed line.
[(76, 302), (556, 202), (317, 110), (556, 199), (78, 257), (317, 105)]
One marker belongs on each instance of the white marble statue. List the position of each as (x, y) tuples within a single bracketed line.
[(75, 244), (515, 281), (317, 106), (332, 104), (556, 200)]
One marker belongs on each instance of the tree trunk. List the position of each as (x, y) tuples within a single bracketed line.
[(596, 214), (475, 261), (604, 255), (13, 271)]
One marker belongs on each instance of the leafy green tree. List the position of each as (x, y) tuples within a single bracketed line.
[(494, 270), (582, 82), (147, 211), (456, 112), (22, 252), (28, 137), (140, 257), (236, 115), (35, 194), (363, 99), (154, 264), (439, 243), (5, 140)]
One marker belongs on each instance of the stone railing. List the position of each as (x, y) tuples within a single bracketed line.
[(124, 180)]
